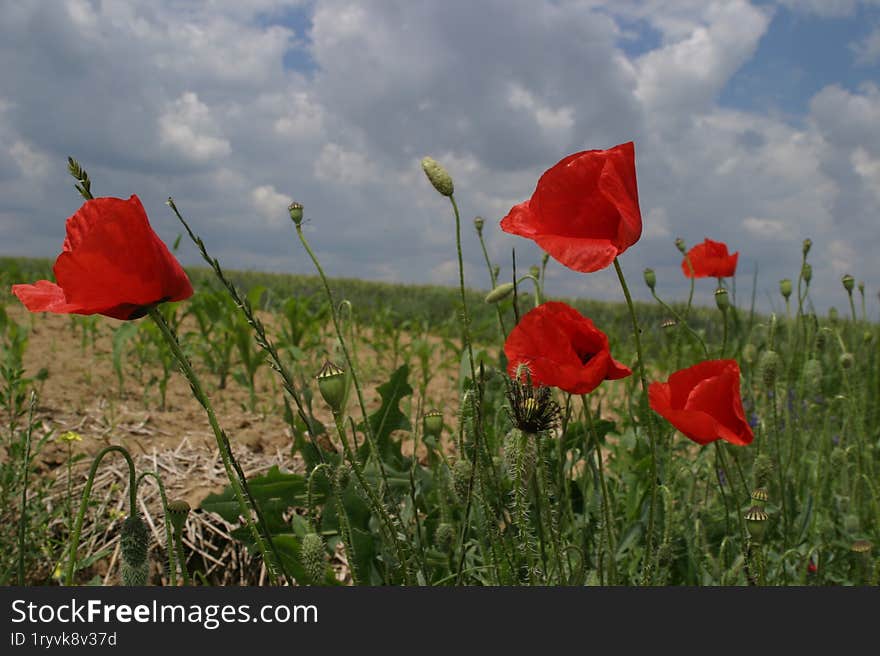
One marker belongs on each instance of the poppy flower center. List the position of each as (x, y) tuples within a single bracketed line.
[(584, 356)]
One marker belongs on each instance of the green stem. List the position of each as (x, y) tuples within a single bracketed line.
[(682, 321), (237, 480), (494, 283), (649, 551), (172, 569), (181, 557), (606, 510), (25, 470), (84, 502)]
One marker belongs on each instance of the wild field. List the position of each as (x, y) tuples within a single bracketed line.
[(276, 429)]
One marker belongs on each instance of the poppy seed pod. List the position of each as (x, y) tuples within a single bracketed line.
[(312, 557), (178, 510), (134, 540), (785, 288), (433, 424), (650, 278), (478, 224), (296, 212), (333, 386), (438, 176), (760, 496), (846, 360), (849, 283), (756, 522), (721, 299), (501, 292)]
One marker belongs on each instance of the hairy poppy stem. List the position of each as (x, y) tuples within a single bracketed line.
[(84, 502), (648, 575), (606, 511), (246, 503), (26, 466), (169, 548), (494, 281)]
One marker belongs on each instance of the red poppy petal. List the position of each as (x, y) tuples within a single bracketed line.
[(520, 221), (43, 296), (618, 184), (581, 254)]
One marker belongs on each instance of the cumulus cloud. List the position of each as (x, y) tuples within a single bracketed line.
[(230, 106)]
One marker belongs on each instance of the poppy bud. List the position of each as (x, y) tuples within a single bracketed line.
[(813, 376), (444, 537), (867, 337), (808, 243), (749, 353), (496, 271), (822, 339), (433, 424), (296, 212), (756, 522), (768, 365), (312, 557), (848, 283), (721, 299), (501, 292), (846, 360), (438, 176), (763, 469), (680, 245), (178, 510), (333, 385), (134, 575), (478, 224), (461, 477), (807, 272), (862, 287), (134, 541), (785, 288), (650, 278), (534, 272), (545, 258)]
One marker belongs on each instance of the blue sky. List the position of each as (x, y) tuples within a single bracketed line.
[(755, 123)]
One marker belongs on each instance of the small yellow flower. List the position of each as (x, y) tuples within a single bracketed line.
[(71, 436)]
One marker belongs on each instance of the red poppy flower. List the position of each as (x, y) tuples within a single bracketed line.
[(563, 349), (585, 210), (112, 263), (704, 402), (710, 260)]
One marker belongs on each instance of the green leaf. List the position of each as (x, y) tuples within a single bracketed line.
[(388, 417)]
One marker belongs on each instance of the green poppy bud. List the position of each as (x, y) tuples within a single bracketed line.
[(478, 224), (681, 246), (749, 353), (312, 556), (296, 212), (433, 424), (807, 272), (756, 522), (847, 360), (496, 271), (768, 365), (444, 537), (438, 176), (534, 272), (650, 278), (721, 299), (333, 386), (813, 376), (808, 244), (501, 292), (867, 336), (785, 288), (862, 287), (461, 477), (849, 283), (822, 339), (134, 541)]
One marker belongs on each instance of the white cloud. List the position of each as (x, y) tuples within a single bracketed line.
[(342, 167), (33, 164), (867, 50), (302, 117), (270, 204), (764, 228), (548, 119), (188, 126), (656, 224)]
